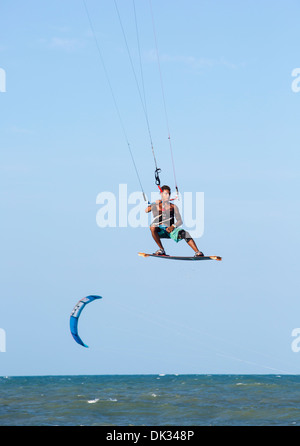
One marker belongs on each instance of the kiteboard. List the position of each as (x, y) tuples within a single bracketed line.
[(143, 254)]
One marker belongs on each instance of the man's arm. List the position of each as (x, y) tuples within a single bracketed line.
[(177, 218), (152, 206)]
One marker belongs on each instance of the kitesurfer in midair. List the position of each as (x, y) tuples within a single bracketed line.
[(167, 221)]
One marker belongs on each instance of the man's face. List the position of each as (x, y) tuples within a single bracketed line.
[(165, 196)]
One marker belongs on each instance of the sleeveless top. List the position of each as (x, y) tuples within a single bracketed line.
[(163, 216)]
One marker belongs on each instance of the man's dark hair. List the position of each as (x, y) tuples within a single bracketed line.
[(166, 188)]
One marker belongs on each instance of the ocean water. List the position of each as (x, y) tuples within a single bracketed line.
[(150, 400)]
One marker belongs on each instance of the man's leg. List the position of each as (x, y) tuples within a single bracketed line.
[(186, 236), (154, 232), (192, 244)]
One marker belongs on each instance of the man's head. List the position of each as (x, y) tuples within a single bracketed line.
[(165, 193)]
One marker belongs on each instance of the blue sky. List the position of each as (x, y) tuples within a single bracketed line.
[(234, 125)]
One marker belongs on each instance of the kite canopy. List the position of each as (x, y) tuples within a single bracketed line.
[(75, 316)]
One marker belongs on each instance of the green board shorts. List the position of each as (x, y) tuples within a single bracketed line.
[(174, 235)]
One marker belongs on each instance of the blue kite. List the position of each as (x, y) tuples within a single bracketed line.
[(75, 316)]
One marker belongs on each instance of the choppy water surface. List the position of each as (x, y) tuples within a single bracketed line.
[(151, 400)]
